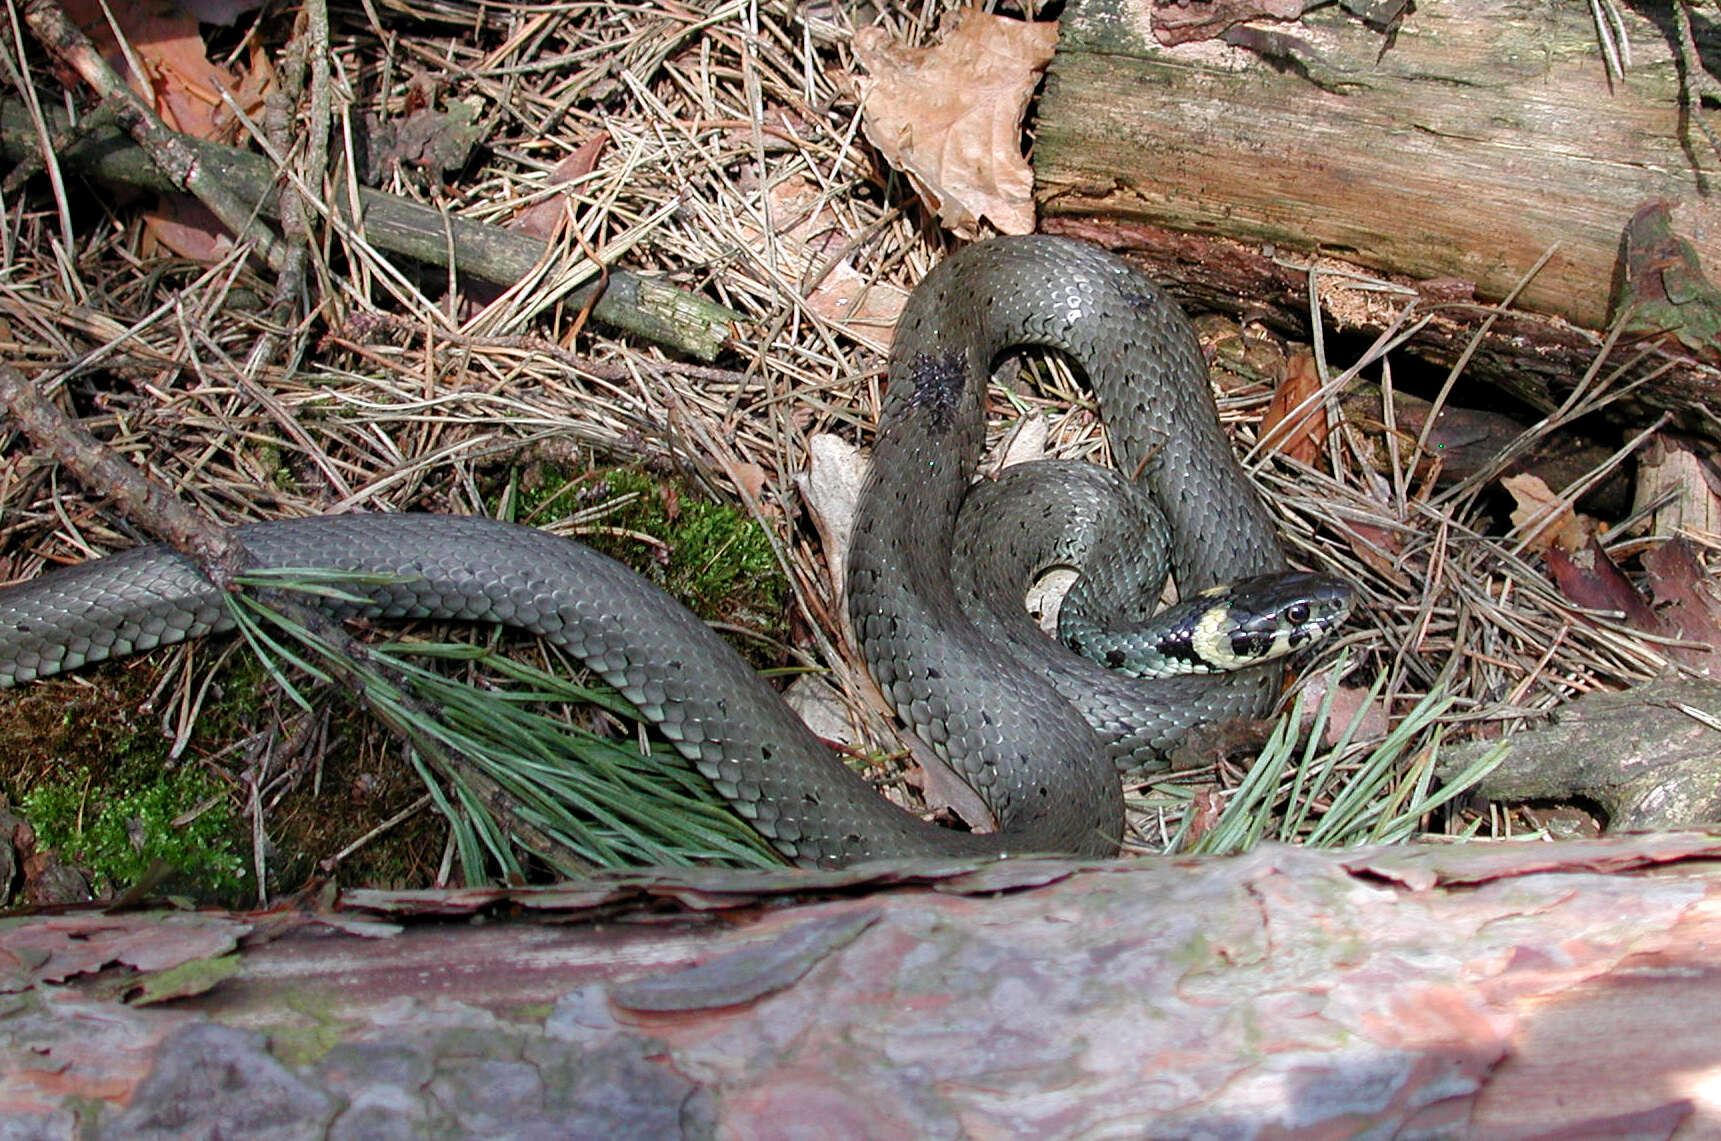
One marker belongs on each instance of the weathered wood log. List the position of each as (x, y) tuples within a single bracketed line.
[(1457, 151), (1486, 991)]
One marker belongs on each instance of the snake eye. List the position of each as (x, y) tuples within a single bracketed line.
[(1298, 613)]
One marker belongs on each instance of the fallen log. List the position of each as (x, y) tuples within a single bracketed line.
[(1449, 154)]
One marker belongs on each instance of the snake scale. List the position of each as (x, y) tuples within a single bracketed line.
[(1038, 739)]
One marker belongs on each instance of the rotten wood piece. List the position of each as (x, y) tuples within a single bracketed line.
[(1449, 155), (1487, 991), (1649, 757)]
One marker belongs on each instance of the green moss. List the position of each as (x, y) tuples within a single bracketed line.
[(108, 720), (113, 814), (180, 818), (273, 463), (306, 1043), (546, 493), (712, 557), (183, 980), (715, 558)]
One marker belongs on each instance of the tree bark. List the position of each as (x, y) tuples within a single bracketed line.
[(1488, 991)]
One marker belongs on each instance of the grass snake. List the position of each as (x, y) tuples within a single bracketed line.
[(1036, 733)]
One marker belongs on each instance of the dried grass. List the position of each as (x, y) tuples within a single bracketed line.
[(390, 397)]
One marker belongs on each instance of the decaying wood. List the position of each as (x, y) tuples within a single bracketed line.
[(1453, 154), (1649, 757), (1485, 991), (1465, 146)]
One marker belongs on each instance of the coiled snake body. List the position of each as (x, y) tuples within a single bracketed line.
[(1037, 739)]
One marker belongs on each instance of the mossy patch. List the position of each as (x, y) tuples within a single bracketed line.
[(88, 758), (181, 819), (97, 739), (712, 557)]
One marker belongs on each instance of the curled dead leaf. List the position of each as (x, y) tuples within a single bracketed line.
[(750, 479), (543, 218), (1547, 521), (949, 116), (1588, 578), (179, 81), (1686, 600), (1302, 438)]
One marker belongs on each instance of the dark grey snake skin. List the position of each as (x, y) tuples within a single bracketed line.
[(1006, 726)]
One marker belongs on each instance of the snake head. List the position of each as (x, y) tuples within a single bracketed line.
[(1229, 627), (1255, 620)]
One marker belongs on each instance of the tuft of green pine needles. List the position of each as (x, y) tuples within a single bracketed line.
[(1342, 795), (505, 773)]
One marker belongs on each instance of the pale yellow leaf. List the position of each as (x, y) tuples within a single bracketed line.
[(831, 488)]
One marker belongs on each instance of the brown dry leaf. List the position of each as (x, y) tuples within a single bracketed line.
[(1377, 547), (1686, 602), (1204, 811), (180, 83), (1349, 703), (1555, 525), (950, 116), (749, 479), (1591, 580), (184, 88), (1302, 440), (543, 218), (808, 236)]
